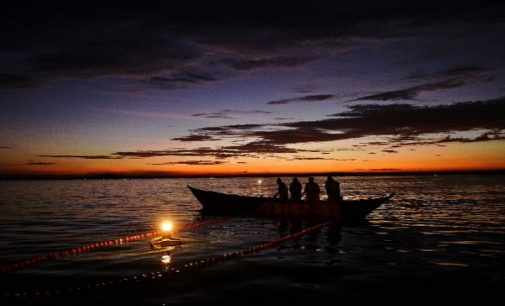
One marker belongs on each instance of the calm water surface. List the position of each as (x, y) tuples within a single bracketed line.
[(449, 228)]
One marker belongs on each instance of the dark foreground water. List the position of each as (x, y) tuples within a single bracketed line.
[(440, 236)]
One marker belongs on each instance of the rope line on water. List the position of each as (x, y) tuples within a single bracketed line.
[(172, 271), (56, 255)]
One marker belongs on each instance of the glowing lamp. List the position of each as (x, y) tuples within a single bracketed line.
[(260, 182), (167, 227)]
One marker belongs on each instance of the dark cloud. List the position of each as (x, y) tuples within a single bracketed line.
[(378, 143), (321, 158), (308, 158), (89, 48), (224, 131), (269, 62), (194, 137), (402, 124), (251, 149), (416, 141), (9, 81), (242, 127), (262, 147), (174, 53), (163, 40), (451, 78), (403, 121), (230, 113), (79, 156), (412, 92), (202, 151), (39, 163), (263, 46), (192, 163), (342, 150), (308, 98), (457, 71), (181, 79)]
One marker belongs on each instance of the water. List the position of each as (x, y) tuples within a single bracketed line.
[(439, 233)]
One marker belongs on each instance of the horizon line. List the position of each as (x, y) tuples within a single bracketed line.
[(158, 175)]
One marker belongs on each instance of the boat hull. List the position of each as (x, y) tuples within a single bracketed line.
[(222, 204)]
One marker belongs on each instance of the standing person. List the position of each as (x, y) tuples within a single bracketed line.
[(295, 188), (332, 189), (282, 190), (312, 191)]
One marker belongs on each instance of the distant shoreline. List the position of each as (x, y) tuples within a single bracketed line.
[(98, 176)]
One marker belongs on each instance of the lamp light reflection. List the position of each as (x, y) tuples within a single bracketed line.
[(166, 259)]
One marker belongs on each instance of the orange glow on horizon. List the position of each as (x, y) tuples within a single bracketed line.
[(454, 157)]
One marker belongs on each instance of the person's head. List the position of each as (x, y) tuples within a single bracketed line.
[(311, 179), (329, 178), (279, 180), (295, 179)]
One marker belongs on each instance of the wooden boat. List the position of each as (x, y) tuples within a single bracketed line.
[(222, 204)]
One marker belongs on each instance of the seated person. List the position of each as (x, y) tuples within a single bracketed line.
[(312, 191), (332, 189), (282, 191), (295, 188)]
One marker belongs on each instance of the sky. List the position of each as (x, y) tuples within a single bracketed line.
[(181, 89)]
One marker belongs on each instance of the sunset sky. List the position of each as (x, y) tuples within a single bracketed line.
[(266, 89)]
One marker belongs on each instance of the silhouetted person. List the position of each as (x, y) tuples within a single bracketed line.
[(282, 191), (295, 188), (312, 190), (332, 189)]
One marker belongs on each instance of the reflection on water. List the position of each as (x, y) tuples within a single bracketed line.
[(166, 259), (443, 222)]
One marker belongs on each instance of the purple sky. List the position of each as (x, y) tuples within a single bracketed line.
[(125, 82)]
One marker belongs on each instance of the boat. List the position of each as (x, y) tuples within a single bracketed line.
[(223, 204)]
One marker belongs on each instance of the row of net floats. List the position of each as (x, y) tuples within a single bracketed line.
[(56, 255), (170, 272)]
